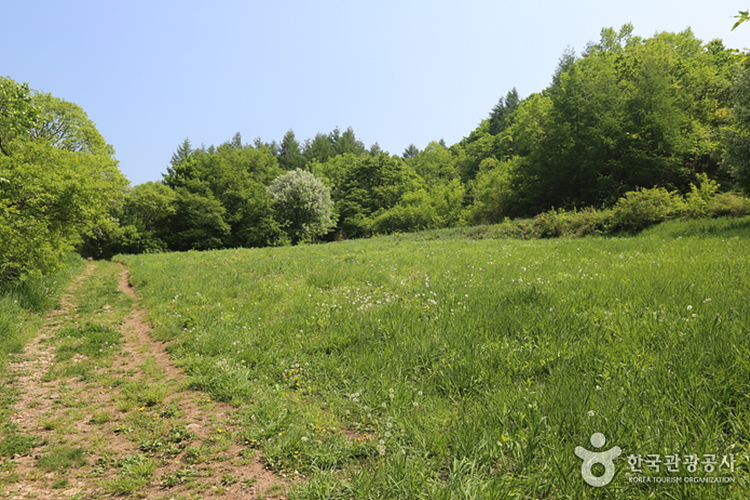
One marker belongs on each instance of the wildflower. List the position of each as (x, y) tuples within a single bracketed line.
[(689, 308), (591, 413)]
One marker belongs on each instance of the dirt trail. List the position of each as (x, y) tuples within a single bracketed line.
[(93, 413)]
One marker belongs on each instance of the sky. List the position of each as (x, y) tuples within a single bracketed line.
[(153, 73)]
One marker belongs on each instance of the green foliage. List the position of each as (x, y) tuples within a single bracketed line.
[(700, 196), (728, 204), (221, 198), (492, 192), (197, 223), (502, 114), (49, 198), (58, 180), (646, 207), (290, 153), (737, 135), (628, 113), (65, 125), (435, 164), (365, 186), (302, 205), (441, 206), (17, 113)]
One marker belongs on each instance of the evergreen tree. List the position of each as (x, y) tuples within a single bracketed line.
[(290, 154), (501, 114)]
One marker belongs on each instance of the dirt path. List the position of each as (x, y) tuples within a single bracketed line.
[(123, 423)]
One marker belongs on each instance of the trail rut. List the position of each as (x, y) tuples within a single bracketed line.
[(97, 413)]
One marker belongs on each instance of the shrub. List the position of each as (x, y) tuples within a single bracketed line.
[(640, 209), (728, 204), (700, 196)]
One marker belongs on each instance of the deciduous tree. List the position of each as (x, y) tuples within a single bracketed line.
[(302, 205)]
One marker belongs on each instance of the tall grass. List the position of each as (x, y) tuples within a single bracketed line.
[(456, 368)]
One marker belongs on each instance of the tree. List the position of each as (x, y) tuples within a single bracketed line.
[(65, 125), (183, 153), (365, 186), (435, 164), (628, 113), (49, 199), (235, 176), (58, 180), (302, 205), (197, 222), (319, 148), (143, 223), (500, 117), (410, 152), (346, 142), (290, 154), (737, 137), (492, 192), (18, 114)]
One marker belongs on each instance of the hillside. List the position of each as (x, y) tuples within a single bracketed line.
[(454, 368)]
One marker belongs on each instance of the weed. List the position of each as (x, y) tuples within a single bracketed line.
[(62, 458), (60, 483), (178, 477), (17, 444), (135, 472), (100, 417), (228, 480)]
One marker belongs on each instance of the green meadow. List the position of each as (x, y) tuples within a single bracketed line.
[(435, 365)]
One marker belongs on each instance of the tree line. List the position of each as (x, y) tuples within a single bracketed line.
[(628, 113)]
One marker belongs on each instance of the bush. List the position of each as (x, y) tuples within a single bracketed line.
[(728, 204), (700, 196), (640, 209)]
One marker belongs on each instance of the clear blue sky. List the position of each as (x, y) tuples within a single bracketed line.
[(152, 73)]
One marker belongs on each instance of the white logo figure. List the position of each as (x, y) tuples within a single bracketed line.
[(598, 457)]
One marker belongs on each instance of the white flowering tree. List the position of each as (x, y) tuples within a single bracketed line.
[(302, 205)]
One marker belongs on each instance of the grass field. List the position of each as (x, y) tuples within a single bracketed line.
[(445, 367)]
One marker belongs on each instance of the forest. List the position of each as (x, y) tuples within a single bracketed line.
[(631, 131)]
